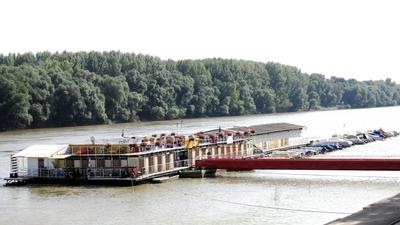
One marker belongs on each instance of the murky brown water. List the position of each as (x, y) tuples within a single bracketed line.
[(256, 197)]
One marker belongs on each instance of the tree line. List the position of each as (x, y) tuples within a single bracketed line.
[(62, 89)]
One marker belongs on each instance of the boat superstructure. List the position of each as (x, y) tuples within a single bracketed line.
[(135, 159)]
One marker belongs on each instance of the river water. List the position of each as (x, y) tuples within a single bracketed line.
[(255, 197)]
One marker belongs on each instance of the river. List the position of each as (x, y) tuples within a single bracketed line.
[(255, 197)]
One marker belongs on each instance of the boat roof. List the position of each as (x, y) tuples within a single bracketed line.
[(269, 128), (42, 151), (261, 128)]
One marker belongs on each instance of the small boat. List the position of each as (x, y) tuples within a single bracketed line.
[(375, 136), (365, 137), (329, 145), (343, 142), (353, 138), (158, 180), (307, 151)]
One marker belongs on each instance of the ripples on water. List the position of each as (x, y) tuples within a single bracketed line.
[(251, 197)]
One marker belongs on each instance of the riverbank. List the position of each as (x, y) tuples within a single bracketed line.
[(384, 212)]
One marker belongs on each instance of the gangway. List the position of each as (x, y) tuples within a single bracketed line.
[(272, 163)]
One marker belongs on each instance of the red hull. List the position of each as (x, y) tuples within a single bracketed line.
[(300, 164)]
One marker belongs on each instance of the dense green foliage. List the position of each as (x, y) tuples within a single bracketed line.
[(45, 89)]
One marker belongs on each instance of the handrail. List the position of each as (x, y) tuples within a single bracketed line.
[(134, 172), (42, 172), (228, 156), (148, 148)]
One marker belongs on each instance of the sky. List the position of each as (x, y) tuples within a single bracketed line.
[(343, 38)]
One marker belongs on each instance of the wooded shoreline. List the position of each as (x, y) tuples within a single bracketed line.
[(67, 89)]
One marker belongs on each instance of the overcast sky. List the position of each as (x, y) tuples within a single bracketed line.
[(351, 39)]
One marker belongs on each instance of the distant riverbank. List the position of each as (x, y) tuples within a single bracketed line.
[(85, 88)]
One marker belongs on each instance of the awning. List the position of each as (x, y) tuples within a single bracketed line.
[(59, 156), (42, 151)]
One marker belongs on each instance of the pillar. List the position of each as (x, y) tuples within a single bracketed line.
[(235, 149), (229, 150), (171, 161), (146, 164), (193, 157), (163, 163), (155, 163), (212, 151)]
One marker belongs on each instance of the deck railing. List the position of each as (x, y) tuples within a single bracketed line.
[(130, 172), (115, 172), (42, 172), (149, 147), (110, 172), (228, 156)]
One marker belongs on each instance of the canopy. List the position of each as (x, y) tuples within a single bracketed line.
[(63, 156), (42, 151)]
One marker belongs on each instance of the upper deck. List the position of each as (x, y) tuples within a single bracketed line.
[(143, 146)]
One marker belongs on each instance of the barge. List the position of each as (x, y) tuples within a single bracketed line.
[(137, 159)]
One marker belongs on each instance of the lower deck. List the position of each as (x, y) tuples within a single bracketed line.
[(92, 179), (17, 180)]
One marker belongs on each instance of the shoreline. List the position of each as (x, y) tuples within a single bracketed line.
[(383, 212)]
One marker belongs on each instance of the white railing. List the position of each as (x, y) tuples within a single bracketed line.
[(42, 172), (129, 172), (153, 147), (125, 172), (227, 156), (223, 140)]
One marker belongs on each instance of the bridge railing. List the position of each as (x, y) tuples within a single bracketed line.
[(228, 156)]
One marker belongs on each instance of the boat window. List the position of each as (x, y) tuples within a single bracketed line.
[(40, 163), (85, 163), (124, 162), (108, 163), (116, 163), (77, 163), (100, 163)]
